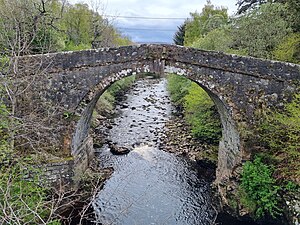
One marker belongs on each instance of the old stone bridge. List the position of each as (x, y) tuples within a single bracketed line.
[(240, 87)]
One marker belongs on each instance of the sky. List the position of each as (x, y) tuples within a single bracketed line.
[(151, 30)]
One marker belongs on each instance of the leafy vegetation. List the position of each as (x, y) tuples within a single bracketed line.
[(218, 39), (267, 26), (293, 7), (5, 150), (34, 26), (202, 115), (24, 201), (269, 31), (107, 100), (86, 28), (200, 24), (259, 191), (30, 27), (280, 134), (178, 88), (199, 110), (265, 29), (288, 49)]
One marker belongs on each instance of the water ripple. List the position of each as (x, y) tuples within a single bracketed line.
[(149, 186)]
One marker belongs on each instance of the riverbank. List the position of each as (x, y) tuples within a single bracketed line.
[(176, 137)]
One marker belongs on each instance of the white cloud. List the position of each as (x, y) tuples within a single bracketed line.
[(154, 8)]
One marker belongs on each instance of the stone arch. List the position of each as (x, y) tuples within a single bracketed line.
[(229, 147)]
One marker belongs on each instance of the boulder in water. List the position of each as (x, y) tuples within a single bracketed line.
[(118, 150)]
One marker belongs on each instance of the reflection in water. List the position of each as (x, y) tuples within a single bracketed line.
[(149, 186)]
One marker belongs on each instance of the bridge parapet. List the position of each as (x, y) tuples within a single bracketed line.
[(62, 61)]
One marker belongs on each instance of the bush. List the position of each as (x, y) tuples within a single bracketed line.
[(199, 110), (23, 200), (289, 49), (280, 133), (202, 115), (258, 190)]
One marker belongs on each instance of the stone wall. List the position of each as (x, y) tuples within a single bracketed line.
[(58, 171)]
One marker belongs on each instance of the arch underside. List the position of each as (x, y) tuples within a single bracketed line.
[(229, 148)]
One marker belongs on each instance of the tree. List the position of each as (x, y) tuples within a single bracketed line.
[(244, 5), (217, 40), (85, 28), (179, 35), (77, 21), (28, 27), (259, 31), (200, 24), (293, 8)]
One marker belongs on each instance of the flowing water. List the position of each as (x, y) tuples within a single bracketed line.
[(149, 186)]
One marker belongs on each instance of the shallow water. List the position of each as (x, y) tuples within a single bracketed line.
[(149, 186)]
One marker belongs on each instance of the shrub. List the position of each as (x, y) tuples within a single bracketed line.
[(258, 190), (199, 110), (289, 49), (202, 115), (23, 200), (280, 133)]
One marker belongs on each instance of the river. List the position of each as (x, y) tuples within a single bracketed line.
[(149, 185)]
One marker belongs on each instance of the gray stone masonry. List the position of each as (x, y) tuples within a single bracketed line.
[(241, 88)]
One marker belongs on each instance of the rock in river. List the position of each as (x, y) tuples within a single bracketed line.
[(118, 150)]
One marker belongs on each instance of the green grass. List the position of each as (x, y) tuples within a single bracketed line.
[(107, 100), (199, 110)]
